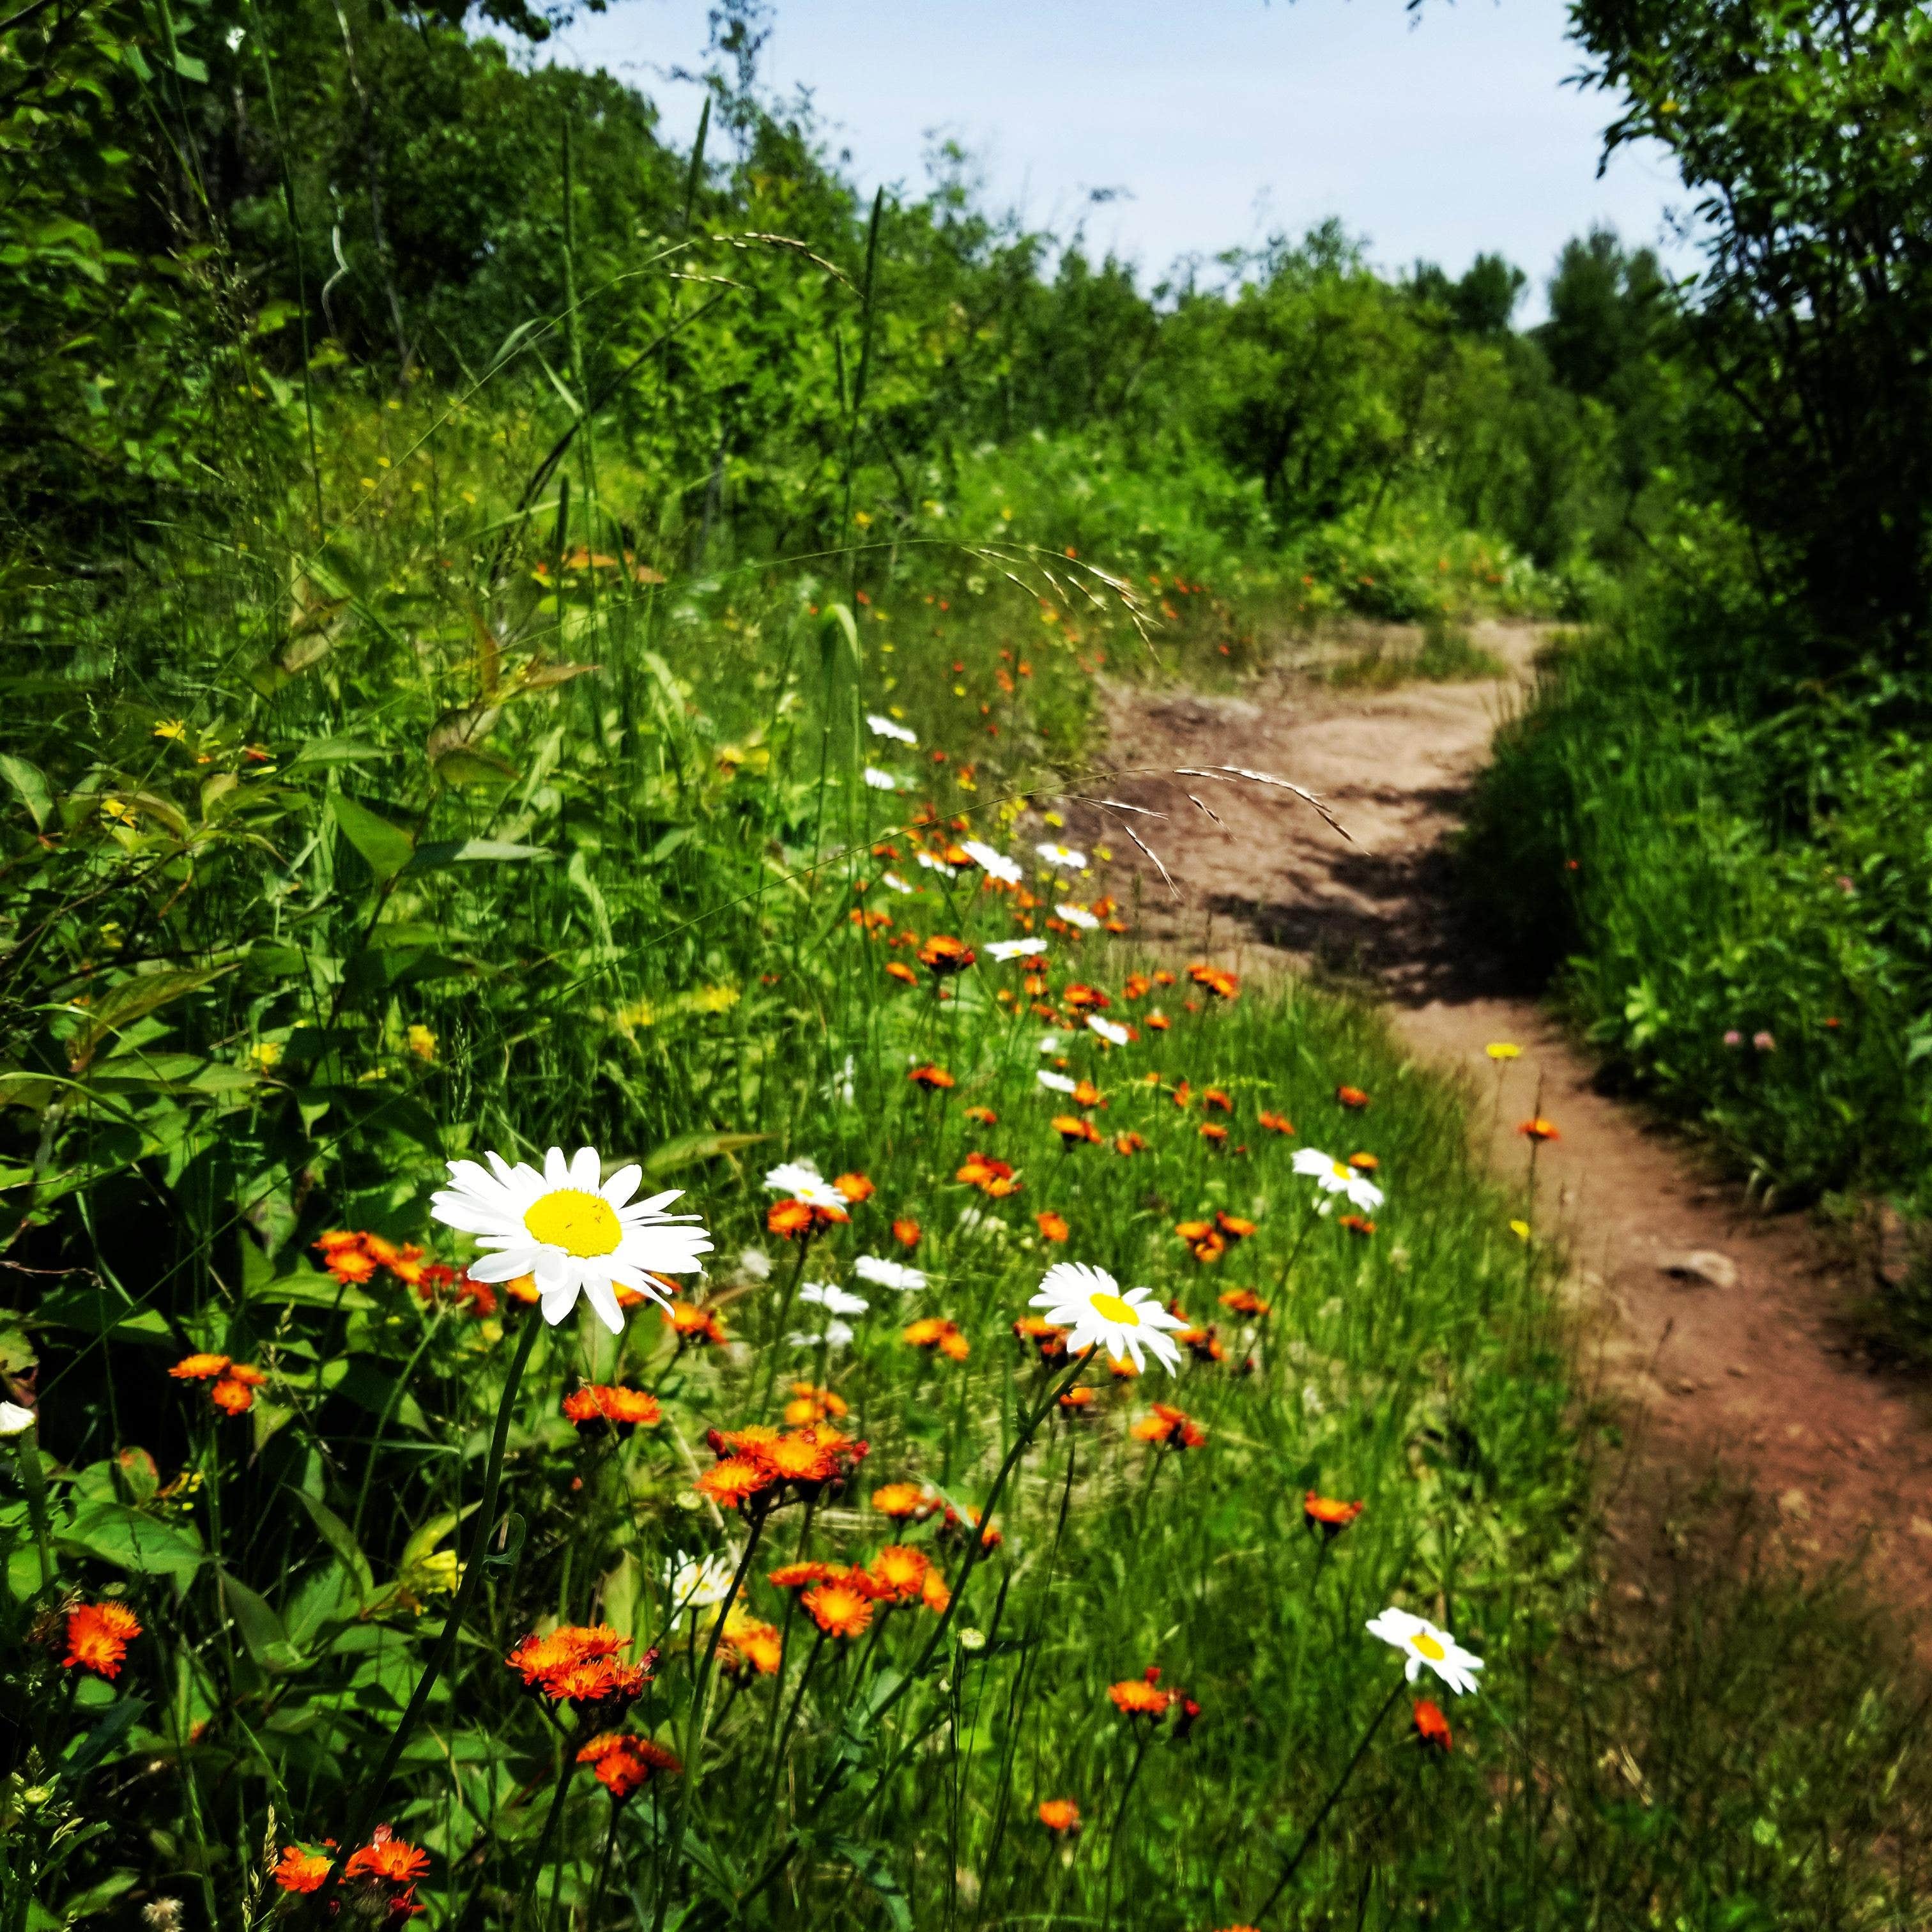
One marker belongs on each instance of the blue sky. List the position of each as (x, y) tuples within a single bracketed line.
[(1437, 135)]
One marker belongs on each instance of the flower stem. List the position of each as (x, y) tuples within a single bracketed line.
[(1321, 1817), (1120, 1817), (378, 1784)]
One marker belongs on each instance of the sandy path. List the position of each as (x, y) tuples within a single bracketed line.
[(1745, 1367)]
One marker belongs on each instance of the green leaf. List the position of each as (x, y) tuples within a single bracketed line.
[(870, 1863), (31, 783), (131, 999), (688, 1149), (122, 1716), (129, 1540), (464, 765), (387, 848), (334, 751), (102, 1311), (337, 1535), (260, 1627)]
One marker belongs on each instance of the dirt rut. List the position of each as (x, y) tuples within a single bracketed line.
[(1721, 1331)]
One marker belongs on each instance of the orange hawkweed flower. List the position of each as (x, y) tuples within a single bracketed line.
[(302, 1870), (733, 1482), (97, 1637), (1216, 1100), (943, 956), (1276, 1123), (990, 1176), (1352, 1097), (1170, 1428), (933, 1079), (1191, 1231), (991, 1537), (623, 1408), (1085, 1094), (802, 1576), (1431, 1726), (1184, 1094), (693, 1323), (1050, 1339), (1328, 1516), (1060, 1815), (855, 1187), (233, 1395), (1213, 1132), (624, 1764), (982, 1116), (1075, 1399), (906, 1233), (599, 1685), (198, 1368), (898, 1573), (1223, 986), (1079, 998), (1211, 1246), (1364, 1163), (1052, 1226), (1233, 1226), (904, 1501), (1136, 986), (1203, 1344), (933, 1594), (1244, 1301), (1159, 1022), (899, 970), (1539, 1129), (838, 1609), (809, 1404), (1073, 1130), (800, 1461), (1139, 1697), (748, 1640), (938, 1333), (790, 1219), (1356, 1224), (387, 1859), (1128, 1143)]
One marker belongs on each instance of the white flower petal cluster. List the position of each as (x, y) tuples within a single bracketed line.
[(700, 1583), (1078, 916), (1337, 1176), (894, 883), (887, 727), (883, 1273), (994, 865), (1423, 1642), (1004, 950), (1115, 1035), (1088, 1300), (931, 864), (837, 1335), (1062, 856), (800, 1180), (834, 1300), (1057, 1083), (576, 1233), (878, 780)]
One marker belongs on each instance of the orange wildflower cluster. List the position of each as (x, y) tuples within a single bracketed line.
[(750, 1643), (694, 1325), (1353, 1098), (905, 1502), (624, 1764), (1060, 1815), (943, 956), (1224, 985), (855, 1187), (1052, 1227), (906, 1233), (1431, 1727), (1167, 1427), (623, 1409), (839, 1597), (899, 969), (234, 1382), (1142, 1696), (1244, 1301), (383, 1874), (1046, 1337), (1538, 1129), (1077, 1400), (799, 1220), (97, 1637), (1276, 1123), (956, 1525), (933, 1079), (1128, 1143), (1328, 1516), (1202, 1342), (758, 1467), (353, 1254), (994, 1178), (580, 1665), (1080, 998), (1073, 1129), (1216, 1100), (811, 1404), (982, 1116), (301, 1869), (936, 1333)]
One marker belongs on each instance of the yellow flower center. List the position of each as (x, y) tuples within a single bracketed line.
[(1339, 1169), (1429, 1647), (580, 1224), (1112, 1308)]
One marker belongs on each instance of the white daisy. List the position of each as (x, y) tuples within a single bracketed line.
[(1049, 1042), (803, 1181), (1057, 1083), (833, 1300), (576, 1234), (1004, 950), (1089, 1301), (883, 1273), (1078, 916), (1421, 1641), (886, 728), (755, 1265), (931, 864), (1115, 1035), (1064, 856), (699, 1583), (1337, 1176), (994, 865), (897, 884), (878, 780), (837, 1335)]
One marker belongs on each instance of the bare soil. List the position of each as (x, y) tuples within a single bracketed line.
[(1722, 1334)]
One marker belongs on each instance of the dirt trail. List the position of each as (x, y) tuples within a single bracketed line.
[(1721, 1328)]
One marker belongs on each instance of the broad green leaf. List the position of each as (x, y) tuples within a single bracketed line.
[(472, 851), (31, 783), (131, 999), (101, 1311), (123, 1714), (465, 765), (260, 1627), (126, 1538), (337, 1535), (334, 751), (870, 1862), (387, 848)]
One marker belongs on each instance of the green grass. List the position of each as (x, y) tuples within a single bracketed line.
[(1446, 655)]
